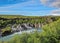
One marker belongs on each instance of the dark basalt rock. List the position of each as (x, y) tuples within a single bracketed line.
[(23, 27), (6, 33)]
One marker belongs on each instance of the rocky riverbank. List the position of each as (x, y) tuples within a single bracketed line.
[(20, 27)]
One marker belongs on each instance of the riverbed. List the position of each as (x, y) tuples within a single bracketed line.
[(6, 38)]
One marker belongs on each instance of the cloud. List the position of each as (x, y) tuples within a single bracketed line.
[(26, 6), (55, 12), (10, 2), (54, 4), (51, 3), (44, 1)]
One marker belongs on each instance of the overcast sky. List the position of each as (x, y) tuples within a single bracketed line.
[(30, 7)]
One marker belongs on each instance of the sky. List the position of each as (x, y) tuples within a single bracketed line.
[(30, 7)]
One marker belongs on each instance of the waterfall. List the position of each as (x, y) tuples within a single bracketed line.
[(21, 27)]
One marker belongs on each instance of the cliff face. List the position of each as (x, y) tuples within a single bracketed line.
[(25, 26), (21, 27), (38, 25)]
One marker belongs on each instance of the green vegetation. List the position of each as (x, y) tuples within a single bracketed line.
[(50, 32), (7, 21)]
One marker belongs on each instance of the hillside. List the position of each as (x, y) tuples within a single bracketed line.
[(50, 34)]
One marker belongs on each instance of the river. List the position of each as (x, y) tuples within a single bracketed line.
[(6, 38)]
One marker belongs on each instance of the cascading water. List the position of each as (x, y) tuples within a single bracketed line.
[(29, 30)]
